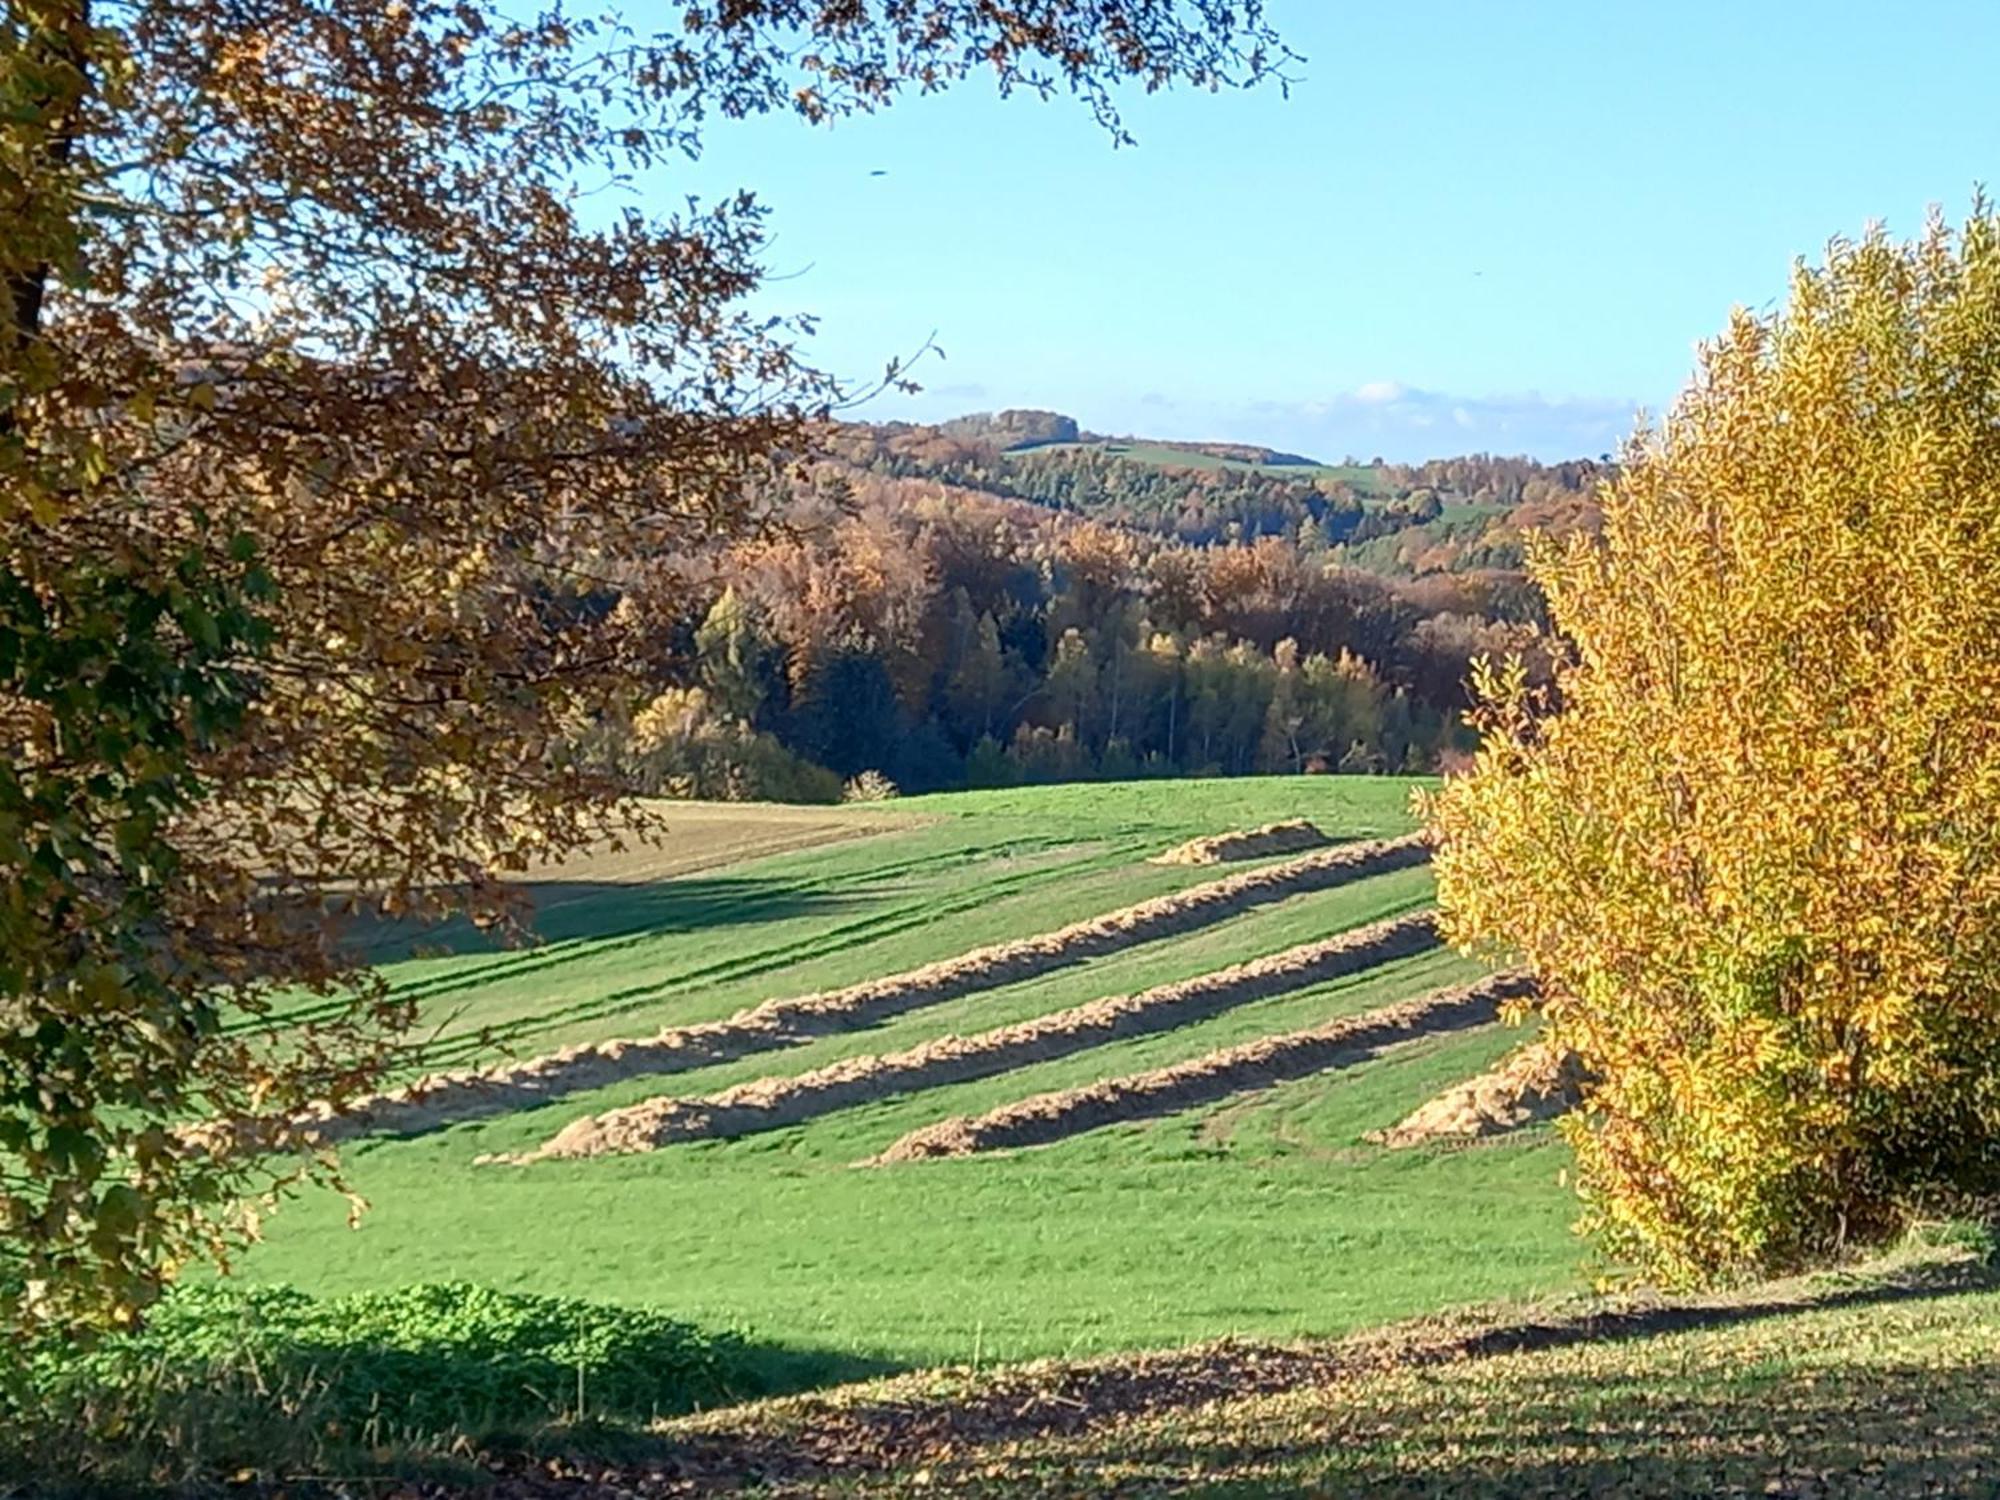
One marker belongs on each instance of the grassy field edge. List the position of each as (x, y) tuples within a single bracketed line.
[(1627, 1394)]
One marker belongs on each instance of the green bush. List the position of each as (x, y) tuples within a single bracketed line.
[(269, 1377)]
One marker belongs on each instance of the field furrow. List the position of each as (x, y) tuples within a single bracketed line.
[(770, 1103), (1205, 1080)]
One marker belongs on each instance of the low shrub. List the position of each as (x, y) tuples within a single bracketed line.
[(869, 786), (269, 1379)]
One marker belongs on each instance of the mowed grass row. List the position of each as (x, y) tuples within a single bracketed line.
[(851, 1134), (942, 875), (1251, 935), (1265, 1215)]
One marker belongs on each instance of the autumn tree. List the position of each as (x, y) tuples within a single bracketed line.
[(1284, 718), (1750, 843), (730, 652), (978, 685), (347, 381), (1071, 688)]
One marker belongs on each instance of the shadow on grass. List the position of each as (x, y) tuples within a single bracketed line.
[(555, 915), (444, 1384), (785, 1370), (1621, 1428), (561, 911)]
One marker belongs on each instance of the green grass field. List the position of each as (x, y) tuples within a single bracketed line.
[(1266, 1215)]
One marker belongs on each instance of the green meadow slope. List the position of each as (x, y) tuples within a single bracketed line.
[(1266, 1214)]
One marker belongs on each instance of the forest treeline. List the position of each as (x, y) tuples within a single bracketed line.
[(1036, 457), (942, 638)]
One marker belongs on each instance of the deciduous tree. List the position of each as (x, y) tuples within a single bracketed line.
[(1751, 843), (343, 377)]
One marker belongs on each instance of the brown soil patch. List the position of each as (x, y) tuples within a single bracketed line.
[(1204, 1080), (450, 1098), (702, 836), (769, 1103), (1252, 843), (1533, 1083)]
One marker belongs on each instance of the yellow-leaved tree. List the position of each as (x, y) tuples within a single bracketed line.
[(1749, 841)]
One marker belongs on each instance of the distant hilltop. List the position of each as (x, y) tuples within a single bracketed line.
[(1027, 427), (1242, 453), (1020, 428)]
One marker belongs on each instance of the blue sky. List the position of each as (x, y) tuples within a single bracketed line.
[(1471, 226)]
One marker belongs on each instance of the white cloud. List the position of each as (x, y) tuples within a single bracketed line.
[(1380, 392), (1405, 422)]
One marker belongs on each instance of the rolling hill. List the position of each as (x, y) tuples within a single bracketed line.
[(1025, 1142), (1259, 1210)]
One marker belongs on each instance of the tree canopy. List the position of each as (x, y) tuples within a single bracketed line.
[(1750, 838), (345, 374)]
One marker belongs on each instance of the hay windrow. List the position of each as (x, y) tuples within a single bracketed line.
[(1055, 1116), (1251, 843), (1533, 1083), (770, 1103), (451, 1098)]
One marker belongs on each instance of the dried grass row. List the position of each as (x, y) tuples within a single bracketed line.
[(1218, 1075), (771, 1103), (443, 1099)]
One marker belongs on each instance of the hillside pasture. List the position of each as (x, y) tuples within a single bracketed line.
[(1263, 1213)]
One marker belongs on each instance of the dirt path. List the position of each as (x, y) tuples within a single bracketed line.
[(1204, 1080), (769, 1103), (450, 1098)]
